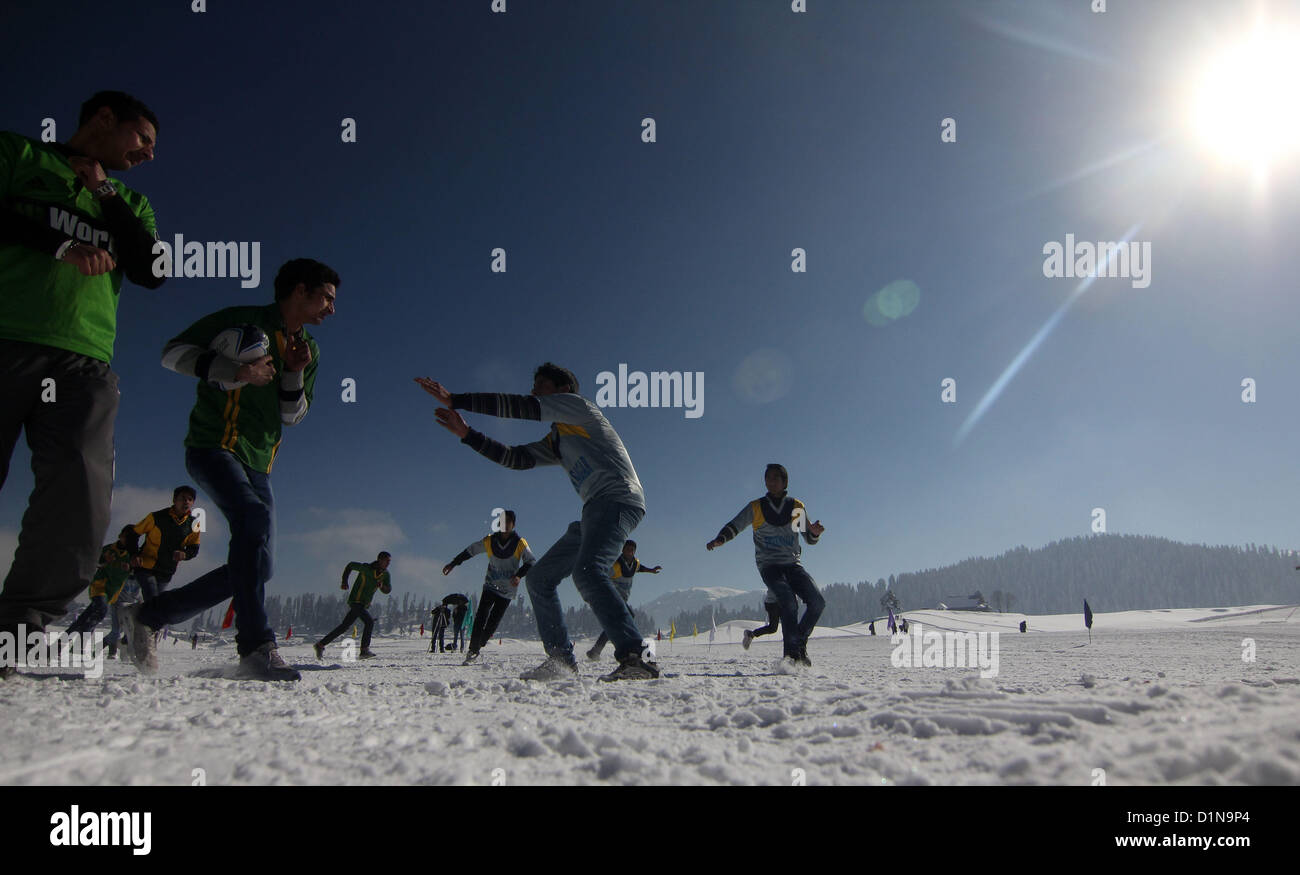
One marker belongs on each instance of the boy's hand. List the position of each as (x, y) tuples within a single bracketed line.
[(436, 389), (90, 260), (446, 569), (816, 529), (297, 354), (88, 170), (452, 421), (716, 542), (257, 373)]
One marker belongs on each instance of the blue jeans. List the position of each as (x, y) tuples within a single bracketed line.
[(587, 550), (788, 582), (130, 595), (151, 583), (244, 498), (90, 617)]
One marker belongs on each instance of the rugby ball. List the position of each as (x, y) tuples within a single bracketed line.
[(244, 343)]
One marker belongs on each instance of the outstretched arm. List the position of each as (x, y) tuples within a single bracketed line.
[(733, 528)]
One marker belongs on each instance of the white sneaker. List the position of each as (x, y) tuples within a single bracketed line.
[(749, 639), (553, 669), (143, 647)]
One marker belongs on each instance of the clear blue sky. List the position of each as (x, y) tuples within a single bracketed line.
[(775, 130)]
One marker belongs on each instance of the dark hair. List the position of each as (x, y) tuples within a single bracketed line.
[(557, 375), (123, 105), (780, 469), (510, 517), (307, 271), (184, 490), (134, 546), (384, 554), (629, 543)]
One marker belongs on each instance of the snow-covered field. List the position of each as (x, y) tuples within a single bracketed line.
[(1157, 697)]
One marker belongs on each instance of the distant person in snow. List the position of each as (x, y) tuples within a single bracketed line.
[(371, 576), (871, 627), (624, 567), (902, 625), (509, 560), (779, 520), (584, 444), (169, 539), (441, 616), (459, 610), (1024, 625), (114, 566), (773, 620)]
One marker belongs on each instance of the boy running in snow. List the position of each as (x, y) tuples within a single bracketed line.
[(114, 567), (613, 504), (626, 566), (509, 560), (773, 620), (371, 576), (778, 521), (69, 234), (170, 538), (233, 439)]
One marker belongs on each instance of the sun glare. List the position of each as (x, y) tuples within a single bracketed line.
[(1245, 106)]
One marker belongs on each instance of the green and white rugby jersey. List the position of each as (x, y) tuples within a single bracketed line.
[(46, 301)]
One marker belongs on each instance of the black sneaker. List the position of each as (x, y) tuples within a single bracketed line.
[(633, 668), (552, 669), (320, 650), (802, 658), (749, 639), (366, 654), (265, 664), (593, 654)]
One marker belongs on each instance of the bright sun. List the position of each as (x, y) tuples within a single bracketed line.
[(1246, 107)]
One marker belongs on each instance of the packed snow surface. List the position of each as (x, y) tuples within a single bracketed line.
[(1157, 697)]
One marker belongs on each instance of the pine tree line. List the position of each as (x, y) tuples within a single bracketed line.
[(1114, 572)]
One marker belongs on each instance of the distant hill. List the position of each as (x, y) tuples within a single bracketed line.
[(690, 601), (1114, 572)]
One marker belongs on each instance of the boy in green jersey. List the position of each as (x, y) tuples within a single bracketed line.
[(68, 235), (114, 568), (371, 576), (233, 438)]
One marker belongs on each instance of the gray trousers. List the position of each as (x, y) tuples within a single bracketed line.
[(71, 439)]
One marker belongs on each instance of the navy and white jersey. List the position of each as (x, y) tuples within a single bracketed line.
[(581, 440), (777, 524), (586, 445), (505, 558)]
